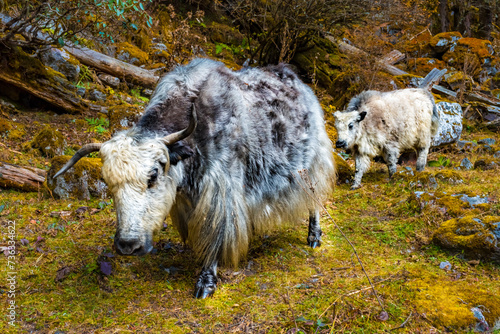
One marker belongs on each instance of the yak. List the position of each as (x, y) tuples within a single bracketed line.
[(385, 124), (227, 154)]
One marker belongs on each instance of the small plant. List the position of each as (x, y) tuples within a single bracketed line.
[(442, 161), (135, 92), (98, 125)]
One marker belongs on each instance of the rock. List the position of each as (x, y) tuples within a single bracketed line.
[(452, 204), (61, 61), (97, 95), (487, 141), (445, 265), (123, 116), (473, 200), (472, 51), (477, 237), (131, 54), (486, 163), (466, 164), (465, 145), (80, 91), (147, 92), (82, 181), (450, 124), (422, 66), (442, 42), (48, 141), (496, 155), (109, 80)]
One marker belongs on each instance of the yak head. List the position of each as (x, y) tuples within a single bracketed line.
[(347, 124), (140, 175)]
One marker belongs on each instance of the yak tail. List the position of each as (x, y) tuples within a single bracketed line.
[(435, 119)]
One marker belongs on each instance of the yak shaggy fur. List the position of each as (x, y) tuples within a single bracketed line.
[(386, 124), (237, 174)]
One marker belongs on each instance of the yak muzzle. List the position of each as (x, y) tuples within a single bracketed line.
[(131, 246), (341, 144)]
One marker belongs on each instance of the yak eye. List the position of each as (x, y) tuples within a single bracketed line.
[(351, 126), (152, 178)]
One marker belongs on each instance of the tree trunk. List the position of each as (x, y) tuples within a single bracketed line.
[(21, 178), (486, 16), (113, 66), (443, 15)]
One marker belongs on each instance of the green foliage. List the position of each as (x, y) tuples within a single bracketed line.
[(98, 125), (62, 20), (136, 92), (442, 161)]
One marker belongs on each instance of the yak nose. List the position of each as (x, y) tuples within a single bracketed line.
[(131, 246), (340, 144)]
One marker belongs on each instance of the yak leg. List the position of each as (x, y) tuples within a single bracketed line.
[(314, 236), (422, 158), (207, 282), (362, 165), (391, 158)]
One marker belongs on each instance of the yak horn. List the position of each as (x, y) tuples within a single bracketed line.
[(180, 135), (86, 149)]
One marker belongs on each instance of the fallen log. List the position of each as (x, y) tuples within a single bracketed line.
[(433, 76), (352, 50), (21, 178), (55, 94), (113, 66), (393, 57), (494, 125)]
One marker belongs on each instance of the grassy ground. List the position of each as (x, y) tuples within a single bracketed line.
[(282, 286)]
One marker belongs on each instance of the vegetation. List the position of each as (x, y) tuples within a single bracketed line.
[(70, 280)]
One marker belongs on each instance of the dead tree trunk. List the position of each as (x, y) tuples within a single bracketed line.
[(113, 66), (21, 178)]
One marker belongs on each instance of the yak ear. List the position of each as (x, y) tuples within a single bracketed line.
[(178, 152), (361, 116)]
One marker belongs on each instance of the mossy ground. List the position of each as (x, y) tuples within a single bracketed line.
[(282, 284)]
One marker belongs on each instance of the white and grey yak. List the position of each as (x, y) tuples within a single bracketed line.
[(224, 154), (386, 124)]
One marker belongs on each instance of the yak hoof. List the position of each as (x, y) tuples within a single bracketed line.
[(314, 243), (354, 187), (206, 285)]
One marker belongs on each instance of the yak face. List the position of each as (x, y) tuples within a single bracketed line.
[(137, 173), (347, 124)]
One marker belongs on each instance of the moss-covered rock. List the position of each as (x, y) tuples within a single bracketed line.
[(422, 66), (131, 54), (82, 181), (487, 163), (124, 116), (444, 41), (420, 45), (471, 53), (407, 80), (476, 237), (322, 59), (48, 141), (456, 79), (451, 204)]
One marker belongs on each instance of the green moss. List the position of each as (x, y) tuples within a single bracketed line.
[(449, 36), (344, 171), (48, 141), (4, 125), (82, 181), (405, 80), (422, 66), (472, 235), (222, 33), (132, 52), (123, 116)]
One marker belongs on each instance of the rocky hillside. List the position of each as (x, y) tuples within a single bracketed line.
[(429, 241)]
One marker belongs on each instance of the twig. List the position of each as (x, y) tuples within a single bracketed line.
[(352, 293), (316, 199), (287, 300), (404, 323), (14, 151)]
